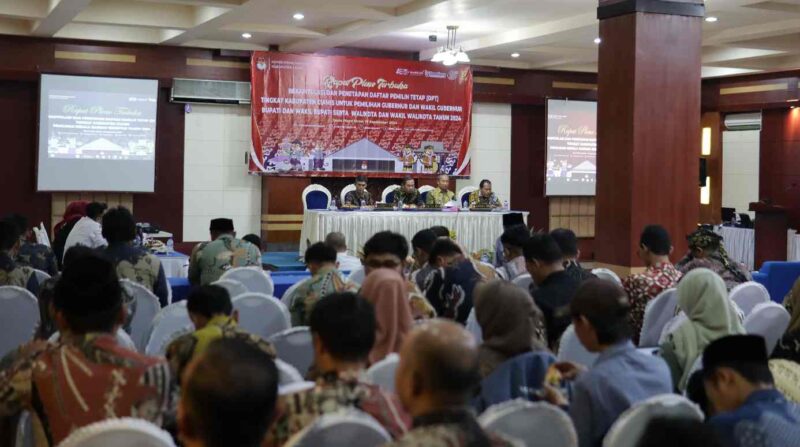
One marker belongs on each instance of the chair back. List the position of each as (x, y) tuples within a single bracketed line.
[(474, 327), (387, 196), (748, 295), (424, 190), (41, 235), (122, 432), (630, 426), (383, 372), (19, 317), (147, 307), (254, 279), (523, 281), (234, 288), (657, 314), (533, 423), (287, 297), (24, 434), (262, 315), (287, 374), (294, 347), (41, 276), (345, 428), (316, 197), (604, 273), (345, 190), (570, 349), (673, 324), (357, 276), (768, 320), (123, 339), (170, 323), (463, 193), (518, 377)]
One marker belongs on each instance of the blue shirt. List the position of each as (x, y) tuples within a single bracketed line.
[(766, 419), (620, 377)]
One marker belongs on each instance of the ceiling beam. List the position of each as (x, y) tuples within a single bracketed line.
[(129, 13), (60, 13), (712, 55), (750, 32)]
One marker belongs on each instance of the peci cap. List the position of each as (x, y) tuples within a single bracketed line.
[(511, 219), (221, 224), (735, 350)]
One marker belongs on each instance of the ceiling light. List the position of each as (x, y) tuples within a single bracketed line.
[(792, 100), (597, 40), (247, 35), (515, 55), (298, 16), (711, 19), (448, 54)]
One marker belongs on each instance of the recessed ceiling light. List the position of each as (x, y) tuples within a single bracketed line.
[(597, 40), (247, 35), (514, 54), (711, 19), (298, 16)]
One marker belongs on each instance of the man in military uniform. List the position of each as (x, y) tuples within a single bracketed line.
[(11, 273), (484, 197), (355, 199), (407, 194), (438, 197), (211, 259), (32, 254)]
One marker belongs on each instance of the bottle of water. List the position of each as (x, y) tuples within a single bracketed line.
[(332, 207), (464, 205), (170, 246), (505, 205), (363, 205)]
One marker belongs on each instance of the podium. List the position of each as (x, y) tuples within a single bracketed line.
[(771, 226)]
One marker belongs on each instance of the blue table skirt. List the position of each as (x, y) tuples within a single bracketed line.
[(282, 280)]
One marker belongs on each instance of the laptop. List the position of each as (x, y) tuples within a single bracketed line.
[(728, 215), (746, 222)]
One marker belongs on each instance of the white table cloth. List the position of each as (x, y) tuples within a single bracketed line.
[(475, 231), (740, 244), (176, 265)]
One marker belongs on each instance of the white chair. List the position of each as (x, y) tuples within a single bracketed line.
[(261, 314), (19, 317), (24, 434), (424, 190), (473, 327), (383, 372), (657, 314), (170, 323), (463, 193), (294, 347), (357, 276), (122, 432), (748, 295), (316, 197), (123, 339), (345, 428), (287, 374), (523, 281), (345, 190), (41, 276), (254, 279), (768, 320), (234, 288), (389, 190), (288, 295), (570, 349), (604, 273), (147, 307), (534, 423), (41, 234), (630, 426)]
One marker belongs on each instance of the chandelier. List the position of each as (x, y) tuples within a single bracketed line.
[(449, 55)]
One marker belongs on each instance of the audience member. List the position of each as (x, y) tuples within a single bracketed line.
[(88, 231), (422, 243), (407, 195), (228, 397), (386, 290), (453, 281), (788, 346), (441, 231), (568, 244), (31, 253), (555, 287), (343, 332), (654, 250), (621, 376), (510, 322), (212, 314), (345, 261), (12, 273), (748, 410), (72, 214), (132, 263), (703, 298), (484, 197), (437, 376), (513, 240), (210, 260), (707, 251), (325, 279), (441, 195), (86, 376), (509, 220), (786, 375), (253, 239), (677, 431), (360, 196)]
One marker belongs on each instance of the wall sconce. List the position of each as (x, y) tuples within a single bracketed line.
[(705, 192), (706, 143)]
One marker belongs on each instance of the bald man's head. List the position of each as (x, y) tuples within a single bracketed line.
[(438, 367)]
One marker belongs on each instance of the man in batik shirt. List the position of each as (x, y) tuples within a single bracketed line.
[(343, 332), (210, 260), (32, 254), (484, 197), (11, 273), (360, 196), (407, 195), (438, 197), (654, 250), (325, 279), (706, 250)]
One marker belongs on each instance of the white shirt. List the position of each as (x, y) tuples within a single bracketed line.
[(86, 232), (347, 263)]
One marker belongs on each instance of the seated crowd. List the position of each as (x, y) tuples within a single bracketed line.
[(219, 385)]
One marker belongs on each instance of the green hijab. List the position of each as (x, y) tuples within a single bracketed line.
[(702, 296)]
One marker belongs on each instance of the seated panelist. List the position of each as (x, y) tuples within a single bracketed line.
[(407, 194), (484, 197), (360, 196), (437, 198)]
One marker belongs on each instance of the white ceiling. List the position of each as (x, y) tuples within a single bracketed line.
[(750, 36)]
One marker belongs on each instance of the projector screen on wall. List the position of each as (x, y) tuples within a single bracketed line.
[(97, 134), (571, 148)]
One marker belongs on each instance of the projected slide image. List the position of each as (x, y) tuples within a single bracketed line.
[(100, 125), (571, 148)]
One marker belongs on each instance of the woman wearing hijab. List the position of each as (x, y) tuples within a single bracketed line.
[(707, 251), (386, 290), (72, 214), (703, 298), (789, 345), (510, 321)]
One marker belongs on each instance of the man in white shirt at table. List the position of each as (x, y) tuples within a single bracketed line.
[(88, 231), (345, 261)]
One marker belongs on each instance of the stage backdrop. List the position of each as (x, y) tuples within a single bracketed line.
[(337, 116)]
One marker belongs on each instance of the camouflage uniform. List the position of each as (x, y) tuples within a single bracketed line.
[(328, 280), (407, 198), (37, 256), (211, 259), (13, 274), (477, 200), (353, 198), (451, 428), (141, 267)]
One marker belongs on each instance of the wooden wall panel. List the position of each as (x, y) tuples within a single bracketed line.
[(779, 164), (574, 213)]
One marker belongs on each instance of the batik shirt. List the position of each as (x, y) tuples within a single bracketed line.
[(437, 198), (407, 198), (13, 274), (211, 259), (81, 380), (643, 287), (733, 274), (765, 419), (141, 267), (450, 289), (354, 198), (37, 256), (326, 281), (335, 391), (476, 200), (451, 428)]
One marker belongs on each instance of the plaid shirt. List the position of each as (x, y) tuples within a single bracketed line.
[(643, 287)]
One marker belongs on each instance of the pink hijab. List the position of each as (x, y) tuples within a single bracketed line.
[(386, 290)]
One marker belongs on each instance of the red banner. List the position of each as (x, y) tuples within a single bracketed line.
[(337, 116)]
